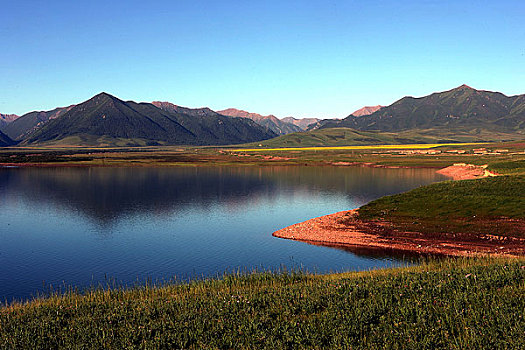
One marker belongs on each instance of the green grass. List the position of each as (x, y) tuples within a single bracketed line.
[(343, 136), (470, 206), (451, 304), (513, 167)]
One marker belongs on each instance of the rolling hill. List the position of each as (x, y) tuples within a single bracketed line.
[(107, 120), (278, 126), (346, 136), (460, 110)]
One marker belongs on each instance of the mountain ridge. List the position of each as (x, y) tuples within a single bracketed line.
[(110, 120), (461, 109), (275, 124)]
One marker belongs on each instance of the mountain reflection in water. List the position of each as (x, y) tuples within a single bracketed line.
[(77, 226)]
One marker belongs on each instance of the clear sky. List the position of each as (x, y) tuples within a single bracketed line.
[(301, 58)]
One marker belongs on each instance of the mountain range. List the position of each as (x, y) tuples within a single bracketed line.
[(460, 110), (278, 126), (107, 120), (302, 123), (460, 114)]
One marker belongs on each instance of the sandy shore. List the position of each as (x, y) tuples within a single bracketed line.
[(344, 230)]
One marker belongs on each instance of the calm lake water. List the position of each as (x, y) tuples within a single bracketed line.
[(84, 227)]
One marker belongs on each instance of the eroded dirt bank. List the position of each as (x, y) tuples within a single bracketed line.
[(462, 171), (344, 229)]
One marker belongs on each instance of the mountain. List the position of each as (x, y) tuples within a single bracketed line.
[(271, 122), (107, 120), (302, 123), (366, 110), (5, 140), (460, 110), (6, 119), (22, 126)]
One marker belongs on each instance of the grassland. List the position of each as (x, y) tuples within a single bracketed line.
[(361, 147), (452, 304), (344, 136), (437, 156), (492, 206)]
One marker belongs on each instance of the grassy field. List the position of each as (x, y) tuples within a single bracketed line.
[(494, 205), (361, 147), (393, 155), (450, 304)]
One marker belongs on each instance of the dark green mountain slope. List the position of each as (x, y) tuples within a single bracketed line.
[(462, 109), (5, 140), (21, 127), (107, 120)]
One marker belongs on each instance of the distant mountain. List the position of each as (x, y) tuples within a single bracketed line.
[(366, 110), (5, 140), (278, 126), (107, 120), (22, 126), (460, 110), (302, 123), (6, 119)]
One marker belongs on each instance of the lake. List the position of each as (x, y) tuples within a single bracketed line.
[(90, 226)]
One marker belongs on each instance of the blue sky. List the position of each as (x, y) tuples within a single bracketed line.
[(302, 58)]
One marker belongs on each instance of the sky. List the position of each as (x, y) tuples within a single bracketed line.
[(320, 59)]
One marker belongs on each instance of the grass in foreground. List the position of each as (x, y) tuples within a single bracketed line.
[(494, 205), (453, 304)]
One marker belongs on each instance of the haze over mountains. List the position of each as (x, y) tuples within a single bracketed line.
[(460, 114)]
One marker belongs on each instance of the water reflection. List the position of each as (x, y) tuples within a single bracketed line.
[(79, 226), (107, 194)]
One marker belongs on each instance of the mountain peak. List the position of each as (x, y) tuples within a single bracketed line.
[(464, 87), (367, 110), (105, 95)]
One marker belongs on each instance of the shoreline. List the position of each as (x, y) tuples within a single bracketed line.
[(343, 229)]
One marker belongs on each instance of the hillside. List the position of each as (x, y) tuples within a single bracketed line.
[(302, 123), (27, 123), (460, 110), (435, 304), (5, 140), (342, 136), (5, 119), (271, 122), (107, 120), (348, 136)]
